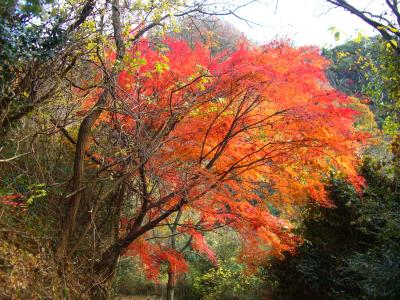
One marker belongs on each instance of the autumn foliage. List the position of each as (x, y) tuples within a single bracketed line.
[(221, 138)]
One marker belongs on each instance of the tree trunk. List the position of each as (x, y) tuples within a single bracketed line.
[(171, 271), (104, 272), (171, 285), (83, 136), (106, 266)]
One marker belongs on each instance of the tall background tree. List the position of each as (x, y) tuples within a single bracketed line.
[(386, 21), (40, 43), (382, 60)]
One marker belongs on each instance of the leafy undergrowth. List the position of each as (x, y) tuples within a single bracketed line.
[(25, 274), (27, 267)]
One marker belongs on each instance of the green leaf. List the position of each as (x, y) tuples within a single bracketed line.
[(359, 38), (337, 36)]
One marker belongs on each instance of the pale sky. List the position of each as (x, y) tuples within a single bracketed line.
[(306, 22)]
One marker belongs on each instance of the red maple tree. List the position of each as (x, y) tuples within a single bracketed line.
[(219, 138)]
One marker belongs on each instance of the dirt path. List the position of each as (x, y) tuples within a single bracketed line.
[(138, 297)]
